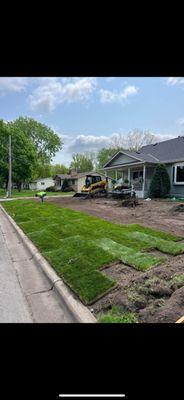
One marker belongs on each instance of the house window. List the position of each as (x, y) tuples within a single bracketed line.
[(73, 181), (173, 175), (179, 174)]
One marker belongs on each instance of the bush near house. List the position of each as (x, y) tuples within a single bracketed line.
[(68, 189), (65, 185), (160, 185), (51, 189)]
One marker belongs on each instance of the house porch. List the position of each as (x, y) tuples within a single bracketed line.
[(139, 175)]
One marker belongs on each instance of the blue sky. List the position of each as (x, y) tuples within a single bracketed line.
[(90, 113)]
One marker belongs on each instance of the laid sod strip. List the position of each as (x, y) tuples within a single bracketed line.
[(153, 232), (116, 315), (77, 261), (166, 246), (43, 240), (50, 210), (73, 242), (128, 256)]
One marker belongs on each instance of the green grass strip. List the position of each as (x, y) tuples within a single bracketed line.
[(138, 260), (74, 244), (154, 232), (166, 246), (116, 315), (77, 261)]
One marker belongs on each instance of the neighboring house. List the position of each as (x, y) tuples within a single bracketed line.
[(24, 185), (76, 180), (41, 184), (138, 166)]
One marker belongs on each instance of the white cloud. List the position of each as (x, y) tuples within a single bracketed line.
[(83, 143), (54, 91), (161, 137), (107, 96), (93, 143), (180, 122), (172, 81), (12, 84)]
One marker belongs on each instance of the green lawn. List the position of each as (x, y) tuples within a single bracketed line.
[(79, 245), (117, 315), (31, 193)]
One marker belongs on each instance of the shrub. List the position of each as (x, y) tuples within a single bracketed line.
[(68, 189), (51, 189), (160, 183), (65, 185)]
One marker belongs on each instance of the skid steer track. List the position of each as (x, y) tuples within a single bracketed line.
[(82, 195)]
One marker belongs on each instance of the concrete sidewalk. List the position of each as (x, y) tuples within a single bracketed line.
[(26, 294)]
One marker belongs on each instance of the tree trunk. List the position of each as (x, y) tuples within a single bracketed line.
[(19, 186)]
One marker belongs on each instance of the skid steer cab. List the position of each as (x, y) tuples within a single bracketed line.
[(94, 186)]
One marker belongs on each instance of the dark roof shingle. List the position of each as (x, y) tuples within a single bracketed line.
[(167, 151)]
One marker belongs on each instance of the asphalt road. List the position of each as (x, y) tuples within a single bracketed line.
[(26, 294)]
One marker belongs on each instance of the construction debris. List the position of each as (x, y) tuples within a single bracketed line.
[(177, 209), (130, 200), (180, 321)]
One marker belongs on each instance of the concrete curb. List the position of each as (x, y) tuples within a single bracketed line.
[(79, 312)]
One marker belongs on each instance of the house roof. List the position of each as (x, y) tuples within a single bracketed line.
[(77, 175), (140, 156), (137, 156), (167, 152)]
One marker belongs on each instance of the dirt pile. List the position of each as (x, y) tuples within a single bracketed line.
[(154, 296), (177, 209)]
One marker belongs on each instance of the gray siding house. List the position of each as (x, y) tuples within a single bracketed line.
[(138, 166)]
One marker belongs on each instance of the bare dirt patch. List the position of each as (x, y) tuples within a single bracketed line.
[(158, 294), (155, 213)]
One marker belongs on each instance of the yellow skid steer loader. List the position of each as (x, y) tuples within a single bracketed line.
[(94, 187)]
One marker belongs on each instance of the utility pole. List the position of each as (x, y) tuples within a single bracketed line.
[(10, 169)]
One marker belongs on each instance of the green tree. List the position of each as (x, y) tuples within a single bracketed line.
[(4, 134), (44, 139), (160, 183), (42, 171), (81, 162), (23, 154), (105, 154), (58, 169), (49, 170)]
